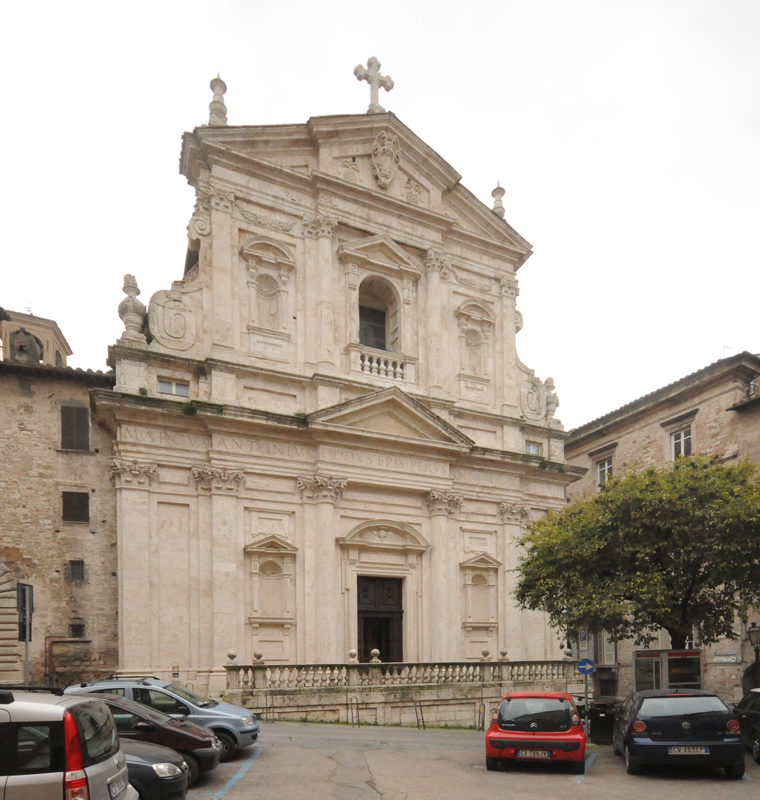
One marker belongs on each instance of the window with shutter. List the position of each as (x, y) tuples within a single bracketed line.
[(75, 571), (76, 507), (75, 428)]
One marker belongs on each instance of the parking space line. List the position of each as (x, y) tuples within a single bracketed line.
[(234, 779), (589, 762)]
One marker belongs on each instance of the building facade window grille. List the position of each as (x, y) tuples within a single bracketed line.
[(75, 428), (76, 507), (76, 629)]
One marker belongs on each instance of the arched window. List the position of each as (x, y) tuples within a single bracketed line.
[(379, 315)]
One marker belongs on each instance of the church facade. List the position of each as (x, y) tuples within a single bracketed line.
[(324, 438)]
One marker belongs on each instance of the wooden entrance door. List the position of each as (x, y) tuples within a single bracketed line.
[(380, 618)]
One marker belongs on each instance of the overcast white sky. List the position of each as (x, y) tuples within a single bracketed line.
[(626, 134)]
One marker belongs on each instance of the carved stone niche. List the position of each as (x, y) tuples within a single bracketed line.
[(480, 603), (270, 265), (475, 321), (385, 545), (271, 597)]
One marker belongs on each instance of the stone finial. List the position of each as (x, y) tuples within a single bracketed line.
[(376, 81), (486, 655), (232, 654), (258, 658), (218, 111), (132, 311), (498, 206), (352, 657), (375, 657), (552, 401), (503, 655)]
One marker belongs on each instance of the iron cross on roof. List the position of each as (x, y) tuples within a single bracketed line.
[(372, 75)]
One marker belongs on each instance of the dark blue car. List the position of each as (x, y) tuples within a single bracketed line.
[(687, 728)]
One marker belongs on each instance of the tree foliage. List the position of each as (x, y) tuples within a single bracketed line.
[(676, 547)]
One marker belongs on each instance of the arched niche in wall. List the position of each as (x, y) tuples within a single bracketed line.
[(269, 265), (480, 604), (475, 321)]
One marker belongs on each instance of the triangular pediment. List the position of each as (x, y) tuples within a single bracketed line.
[(271, 544), (481, 561), (379, 251), (389, 414)]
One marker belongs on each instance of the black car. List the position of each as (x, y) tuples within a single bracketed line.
[(198, 746), (155, 772), (748, 712), (664, 726)]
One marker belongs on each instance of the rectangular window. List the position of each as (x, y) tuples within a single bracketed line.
[(606, 651), (533, 448), (75, 428), (180, 388), (76, 507), (372, 327), (604, 470), (75, 571), (76, 629), (681, 441)]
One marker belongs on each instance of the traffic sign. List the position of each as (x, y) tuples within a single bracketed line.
[(586, 666)]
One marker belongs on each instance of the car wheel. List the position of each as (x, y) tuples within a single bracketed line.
[(578, 767), (756, 746), (192, 764), (631, 767), (735, 771), (229, 745), (492, 763)]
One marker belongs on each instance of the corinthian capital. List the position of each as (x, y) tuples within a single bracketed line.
[(132, 474), (321, 488), (436, 260), (444, 502), (514, 513), (213, 479), (319, 226)]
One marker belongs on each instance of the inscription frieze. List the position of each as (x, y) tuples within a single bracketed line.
[(264, 447), (185, 441), (365, 458)]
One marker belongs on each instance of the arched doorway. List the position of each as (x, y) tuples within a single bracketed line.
[(379, 326)]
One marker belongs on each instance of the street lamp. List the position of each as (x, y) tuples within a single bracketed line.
[(753, 634)]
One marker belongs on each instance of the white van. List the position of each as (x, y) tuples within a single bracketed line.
[(54, 746)]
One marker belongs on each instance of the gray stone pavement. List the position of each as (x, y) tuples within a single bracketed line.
[(333, 762)]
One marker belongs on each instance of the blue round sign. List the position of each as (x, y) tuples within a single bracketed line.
[(586, 666)]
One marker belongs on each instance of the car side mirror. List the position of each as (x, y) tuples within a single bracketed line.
[(183, 710), (145, 727)]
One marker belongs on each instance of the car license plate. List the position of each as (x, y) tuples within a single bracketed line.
[(690, 750), (118, 786), (534, 754)]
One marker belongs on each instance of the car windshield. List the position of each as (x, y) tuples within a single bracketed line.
[(141, 710), (191, 697), (549, 709), (679, 705)]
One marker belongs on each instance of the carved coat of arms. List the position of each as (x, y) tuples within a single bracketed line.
[(171, 321), (533, 399), (386, 153)]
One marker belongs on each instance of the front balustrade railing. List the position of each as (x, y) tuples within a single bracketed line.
[(320, 676)]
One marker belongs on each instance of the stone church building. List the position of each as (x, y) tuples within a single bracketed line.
[(324, 439)]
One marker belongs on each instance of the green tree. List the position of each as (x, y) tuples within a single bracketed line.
[(676, 547)]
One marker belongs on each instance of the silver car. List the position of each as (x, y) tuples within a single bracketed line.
[(54, 747), (234, 726)]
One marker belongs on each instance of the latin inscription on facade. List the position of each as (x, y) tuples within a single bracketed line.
[(364, 458), (186, 441)]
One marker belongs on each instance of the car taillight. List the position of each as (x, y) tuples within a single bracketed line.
[(75, 785), (639, 726), (575, 719), (733, 725)]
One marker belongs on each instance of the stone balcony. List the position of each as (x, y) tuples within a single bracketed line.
[(393, 367)]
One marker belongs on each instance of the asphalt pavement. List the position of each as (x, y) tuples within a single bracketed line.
[(296, 761)]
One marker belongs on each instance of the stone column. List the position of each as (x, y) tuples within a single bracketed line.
[(514, 518), (227, 565), (324, 230), (436, 268), (221, 270), (511, 322), (444, 620), (132, 480), (326, 645)]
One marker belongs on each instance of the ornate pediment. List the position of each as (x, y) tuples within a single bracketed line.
[(385, 534), (481, 561), (270, 544), (388, 414), (380, 253)]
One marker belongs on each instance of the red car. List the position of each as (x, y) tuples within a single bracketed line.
[(536, 726)]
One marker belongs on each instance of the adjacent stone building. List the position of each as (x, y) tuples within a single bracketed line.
[(715, 410), (58, 521), (324, 438)]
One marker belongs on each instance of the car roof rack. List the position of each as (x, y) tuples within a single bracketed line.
[(49, 689)]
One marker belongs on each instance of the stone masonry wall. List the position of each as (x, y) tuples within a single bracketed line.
[(35, 544)]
